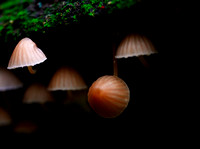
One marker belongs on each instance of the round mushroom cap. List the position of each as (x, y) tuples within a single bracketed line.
[(37, 93), (66, 78), (135, 45), (8, 81), (5, 118), (26, 53)]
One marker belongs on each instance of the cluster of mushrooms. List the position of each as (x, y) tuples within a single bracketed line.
[(108, 96)]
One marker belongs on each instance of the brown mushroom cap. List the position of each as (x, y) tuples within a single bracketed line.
[(8, 81), (37, 93), (135, 45), (5, 118), (66, 78), (26, 53)]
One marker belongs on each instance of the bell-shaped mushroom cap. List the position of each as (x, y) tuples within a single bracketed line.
[(8, 81), (26, 53), (37, 93), (135, 45), (5, 118), (66, 79)]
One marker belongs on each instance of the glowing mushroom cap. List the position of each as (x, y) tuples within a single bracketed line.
[(5, 118), (66, 79), (26, 53), (135, 45), (8, 81), (37, 93)]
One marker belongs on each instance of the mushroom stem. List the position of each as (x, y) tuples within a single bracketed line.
[(143, 61), (115, 69), (30, 69)]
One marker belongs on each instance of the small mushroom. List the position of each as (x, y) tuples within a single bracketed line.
[(5, 118), (8, 81), (37, 93), (25, 127), (66, 78), (26, 53), (109, 96), (135, 45)]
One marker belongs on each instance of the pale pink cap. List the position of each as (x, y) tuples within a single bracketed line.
[(66, 78), (135, 45), (26, 53), (8, 81)]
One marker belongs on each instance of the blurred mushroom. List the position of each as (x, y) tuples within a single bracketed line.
[(5, 118), (26, 53), (66, 78), (8, 81), (135, 45), (37, 93), (109, 96), (25, 127)]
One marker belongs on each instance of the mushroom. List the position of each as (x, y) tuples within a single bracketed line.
[(37, 93), (25, 127), (5, 118), (66, 78), (109, 96), (135, 45), (8, 81), (26, 53)]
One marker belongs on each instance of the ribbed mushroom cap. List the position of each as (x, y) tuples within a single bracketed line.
[(26, 53), (37, 93), (5, 118), (8, 81), (135, 45), (66, 78), (108, 96)]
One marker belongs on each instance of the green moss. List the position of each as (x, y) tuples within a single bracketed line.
[(16, 19)]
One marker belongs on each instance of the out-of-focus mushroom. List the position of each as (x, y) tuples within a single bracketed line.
[(66, 78), (135, 45), (5, 118), (25, 127), (37, 93), (26, 53), (8, 81)]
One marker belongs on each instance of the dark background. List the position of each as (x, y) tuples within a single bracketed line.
[(155, 108)]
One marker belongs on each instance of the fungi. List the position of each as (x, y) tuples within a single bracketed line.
[(37, 93), (26, 53), (108, 96), (8, 81), (5, 118), (135, 45), (66, 78)]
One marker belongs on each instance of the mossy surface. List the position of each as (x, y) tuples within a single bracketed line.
[(20, 17)]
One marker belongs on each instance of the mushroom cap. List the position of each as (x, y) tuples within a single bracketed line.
[(5, 118), (26, 53), (66, 78), (109, 96), (25, 127), (8, 81), (135, 45), (37, 93)]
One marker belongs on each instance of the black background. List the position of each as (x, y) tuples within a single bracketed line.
[(155, 108)]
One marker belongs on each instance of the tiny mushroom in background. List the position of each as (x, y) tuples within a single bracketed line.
[(25, 127), (109, 96), (135, 45), (66, 78), (37, 93), (5, 118), (26, 53), (8, 81)]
